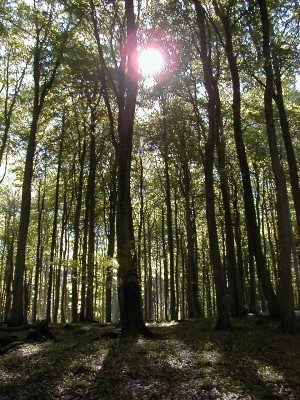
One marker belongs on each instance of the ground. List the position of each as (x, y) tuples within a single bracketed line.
[(187, 361)]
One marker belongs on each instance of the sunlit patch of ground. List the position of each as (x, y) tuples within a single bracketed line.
[(188, 361)]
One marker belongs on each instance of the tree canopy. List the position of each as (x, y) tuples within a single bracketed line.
[(149, 192)]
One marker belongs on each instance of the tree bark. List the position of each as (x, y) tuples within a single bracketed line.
[(129, 289), (111, 233), (193, 303), (170, 235), (254, 238), (17, 316), (285, 233), (89, 316), (285, 129), (39, 260), (223, 320), (75, 263), (54, 224)]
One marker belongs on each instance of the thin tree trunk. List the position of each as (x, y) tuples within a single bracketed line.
[(74, 308), (113, 194), (54, 225), (173, 312), (165, 265), (9, 275), (89, 316), (84, 259), (111, 241), (236, 300), (39, 260), (9, 108), (285, 129), (193, 304), (60, 261)]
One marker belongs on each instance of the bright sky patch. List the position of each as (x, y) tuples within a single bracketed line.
[(150, 62)]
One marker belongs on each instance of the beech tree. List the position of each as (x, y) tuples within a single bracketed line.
[(43, 82), (182, 195), (129, 289)]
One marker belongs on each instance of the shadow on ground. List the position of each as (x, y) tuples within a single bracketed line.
[(189, 361)]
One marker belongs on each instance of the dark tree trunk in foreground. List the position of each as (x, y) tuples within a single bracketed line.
[(223, 321), (285, 233), (129, 288)]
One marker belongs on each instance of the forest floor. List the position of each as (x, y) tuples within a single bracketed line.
[(188, 360)]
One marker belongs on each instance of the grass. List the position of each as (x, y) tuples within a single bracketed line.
[(190, 360)]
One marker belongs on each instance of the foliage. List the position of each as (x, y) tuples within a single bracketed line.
[(170, 132)]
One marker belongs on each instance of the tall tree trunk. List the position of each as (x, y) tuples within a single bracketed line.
[(173, 308), (285, 233), (89, 316), (112, 201), (165, 266), (39, 260), (129, 289), (74, 308), (111, 242), (84, 259), (40, 93), (64, 290), (54, 225), (236, 301), (17, 311), (285, 129), (60, 259), (193, 304), (223, 320), (254, 238), (9, 273)]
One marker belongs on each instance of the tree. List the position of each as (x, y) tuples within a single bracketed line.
[(43, 82), (223, 321), (254, 238), (129, 289), (285, 232)]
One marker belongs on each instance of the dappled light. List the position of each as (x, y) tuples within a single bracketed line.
[(149, 200), (186, 361)]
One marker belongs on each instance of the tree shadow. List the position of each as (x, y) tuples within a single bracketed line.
[(190, 361), (251, 361)]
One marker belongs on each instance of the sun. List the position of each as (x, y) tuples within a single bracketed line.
[(150, 62)]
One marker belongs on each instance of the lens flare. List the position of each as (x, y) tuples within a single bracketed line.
[(150, 61)]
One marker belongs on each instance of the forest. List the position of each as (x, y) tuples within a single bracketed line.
[(157, 190)]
